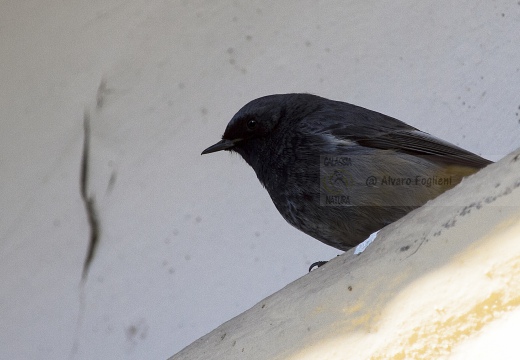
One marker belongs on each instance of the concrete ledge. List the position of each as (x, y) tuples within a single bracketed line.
[(427, 286)]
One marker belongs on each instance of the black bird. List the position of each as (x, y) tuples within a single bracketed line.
[(339, 172)]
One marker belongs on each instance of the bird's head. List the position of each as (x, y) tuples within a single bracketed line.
[(248, 131)]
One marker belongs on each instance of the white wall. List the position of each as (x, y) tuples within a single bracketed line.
[(188, 242)]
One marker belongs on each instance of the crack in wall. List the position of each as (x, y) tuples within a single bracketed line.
[(89, 201), (93, 222)]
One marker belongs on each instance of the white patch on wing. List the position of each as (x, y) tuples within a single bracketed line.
[(337, 141)]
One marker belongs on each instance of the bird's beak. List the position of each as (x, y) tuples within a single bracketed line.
[(221, 145)]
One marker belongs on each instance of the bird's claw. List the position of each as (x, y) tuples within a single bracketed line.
[(317, 264)]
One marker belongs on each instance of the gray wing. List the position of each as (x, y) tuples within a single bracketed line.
[(375, 130), (420, 143)]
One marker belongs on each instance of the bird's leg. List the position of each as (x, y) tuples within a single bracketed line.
[(317, 264)]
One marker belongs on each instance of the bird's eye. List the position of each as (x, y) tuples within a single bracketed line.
[(251, 124)]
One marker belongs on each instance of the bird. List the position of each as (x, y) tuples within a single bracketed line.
[(339, 172)]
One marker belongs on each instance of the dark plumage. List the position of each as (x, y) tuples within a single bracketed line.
[(316, 156)]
